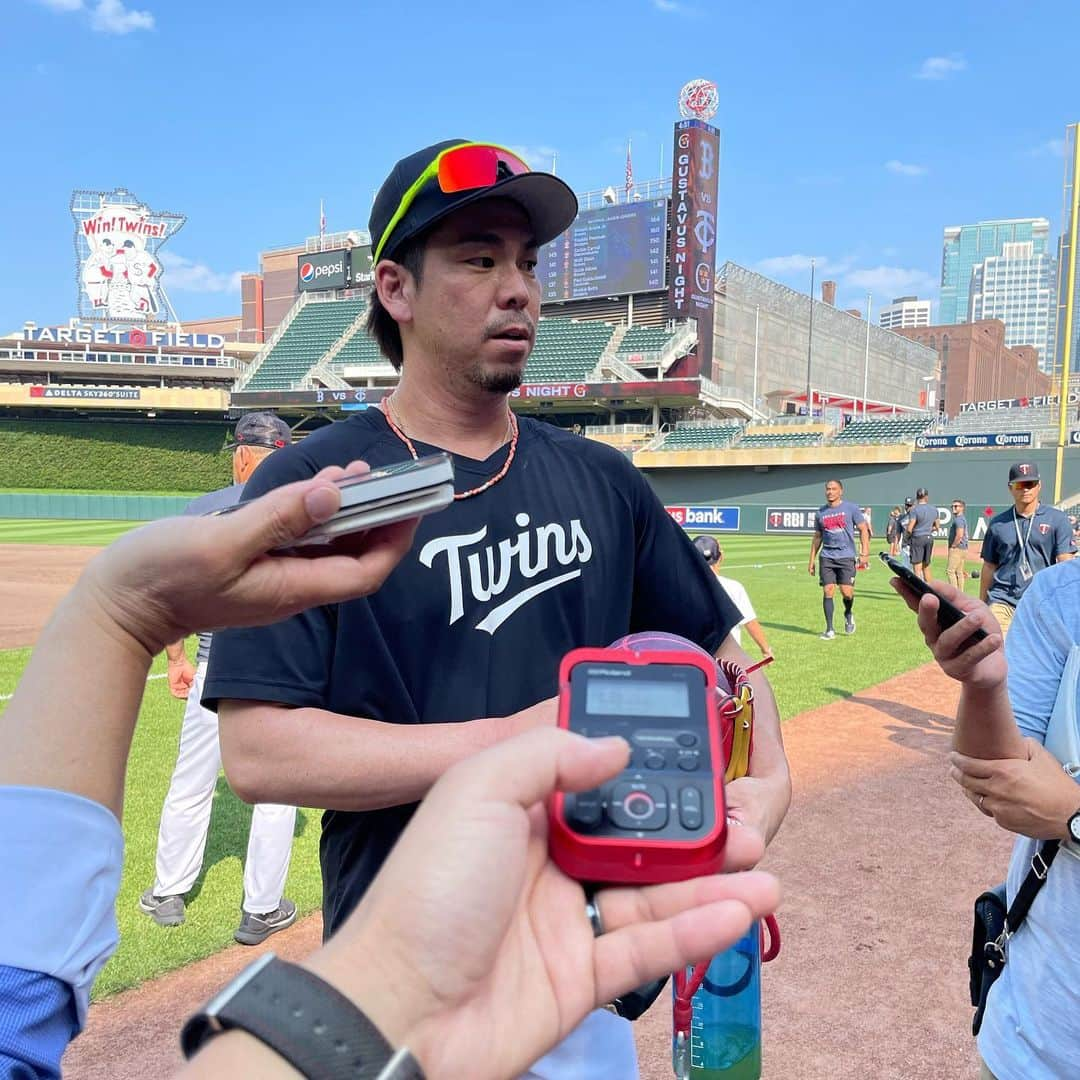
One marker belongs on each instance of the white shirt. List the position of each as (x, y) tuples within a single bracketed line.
[(741, 599)]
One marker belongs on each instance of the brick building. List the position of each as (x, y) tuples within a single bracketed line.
[(975, 364)]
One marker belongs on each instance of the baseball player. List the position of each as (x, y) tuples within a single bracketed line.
[(185, 817), (835, 526)]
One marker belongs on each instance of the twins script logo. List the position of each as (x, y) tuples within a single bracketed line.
[(488, 572)]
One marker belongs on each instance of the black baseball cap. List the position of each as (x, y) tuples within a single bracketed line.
[(1024, 470), (909, 501), (549, 202), (922, 493), (709, 549), (261, 429)]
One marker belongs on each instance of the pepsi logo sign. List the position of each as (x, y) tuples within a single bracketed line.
[(307, 272)]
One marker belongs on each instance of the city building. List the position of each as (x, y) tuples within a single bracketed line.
[(967, 245), (1019, 287), (905, 312), (975, 364), (761, 339)]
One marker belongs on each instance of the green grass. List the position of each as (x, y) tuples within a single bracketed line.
[(63, 531), (807, 672)]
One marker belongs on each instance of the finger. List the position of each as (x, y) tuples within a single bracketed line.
[(928, 618), (621, 907), (529, 767), (970, 784), (744, 849), (955, 640), (278, 518), (303, 581), (980, 802), (637, 954), (977, 768), (907, 594)]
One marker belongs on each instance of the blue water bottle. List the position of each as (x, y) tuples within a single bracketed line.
[(725, 1025)]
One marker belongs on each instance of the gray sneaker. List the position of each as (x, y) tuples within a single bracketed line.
[(849, 626), (828, 635), (255, 929), (164, 910)]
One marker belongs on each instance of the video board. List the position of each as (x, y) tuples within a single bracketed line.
[(609, 251)]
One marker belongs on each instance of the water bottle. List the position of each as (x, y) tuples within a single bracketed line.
[(725, 1029)]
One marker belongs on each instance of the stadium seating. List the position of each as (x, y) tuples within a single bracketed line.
[(643, 339), (700, 437), (306, 339), (359, 349), (884, 430), (780, 439), (567, 351)]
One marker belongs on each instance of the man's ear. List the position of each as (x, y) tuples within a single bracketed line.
[(396, 288)]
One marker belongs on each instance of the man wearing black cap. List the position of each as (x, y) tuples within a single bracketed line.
[(921, 523), (1021, 541), (905, 534), (552, 542), (185, 817)]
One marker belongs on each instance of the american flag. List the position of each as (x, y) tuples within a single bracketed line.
[(629, 171)]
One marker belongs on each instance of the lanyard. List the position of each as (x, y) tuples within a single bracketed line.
[(1023, 541)]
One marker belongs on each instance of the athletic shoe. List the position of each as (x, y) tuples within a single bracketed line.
[(254, 929), (849, 625), (828, 635), (164, 910)]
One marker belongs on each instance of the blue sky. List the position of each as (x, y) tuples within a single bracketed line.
[(852, 132)]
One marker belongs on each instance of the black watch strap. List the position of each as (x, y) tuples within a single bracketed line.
[(314, 1027)]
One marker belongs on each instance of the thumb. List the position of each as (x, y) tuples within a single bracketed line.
[(280, 517)]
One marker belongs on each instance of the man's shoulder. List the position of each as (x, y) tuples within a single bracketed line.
[(1004, 518), (563, 441)]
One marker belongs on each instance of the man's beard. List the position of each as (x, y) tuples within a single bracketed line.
[(500, 381)]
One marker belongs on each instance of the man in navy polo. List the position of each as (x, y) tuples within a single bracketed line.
[(1020, 542)]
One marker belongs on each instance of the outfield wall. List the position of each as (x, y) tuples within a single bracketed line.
[(979, 477)]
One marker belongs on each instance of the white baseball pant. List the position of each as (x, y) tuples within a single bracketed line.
[(185, 818)]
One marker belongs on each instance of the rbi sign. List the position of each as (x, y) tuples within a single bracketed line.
[(790, 519)]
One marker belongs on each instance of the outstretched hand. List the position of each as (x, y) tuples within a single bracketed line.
[(981, 664), (475, 951), (169, 578)]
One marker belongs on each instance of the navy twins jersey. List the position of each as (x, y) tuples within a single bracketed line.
[(836, 526), (571, 548)]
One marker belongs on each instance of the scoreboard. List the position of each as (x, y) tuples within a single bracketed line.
[(610, 251)]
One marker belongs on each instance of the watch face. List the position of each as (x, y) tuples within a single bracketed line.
[(1074, 826)]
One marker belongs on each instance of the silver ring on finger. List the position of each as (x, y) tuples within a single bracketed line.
[(982, 799), (592, 912)]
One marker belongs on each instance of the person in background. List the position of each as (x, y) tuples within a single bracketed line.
[(958, 545), (893, 530), (714, 556), (501, 956), (1021, 541), (835, 524), (920, 527), (905, 535), (866, 513), (185, 816)]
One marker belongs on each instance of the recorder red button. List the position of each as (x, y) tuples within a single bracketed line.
[(639, 805)]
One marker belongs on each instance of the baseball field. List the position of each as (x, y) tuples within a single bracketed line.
[(823, 688)]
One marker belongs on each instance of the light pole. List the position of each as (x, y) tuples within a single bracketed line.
[(866, 359), (810, 349), (757, 315)]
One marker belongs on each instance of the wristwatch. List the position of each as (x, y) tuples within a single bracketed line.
[(1074, 828), (314, 1027)]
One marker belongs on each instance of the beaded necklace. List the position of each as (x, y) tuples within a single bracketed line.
[(388, 410)]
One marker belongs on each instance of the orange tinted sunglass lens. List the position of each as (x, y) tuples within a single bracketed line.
[(467, 167)]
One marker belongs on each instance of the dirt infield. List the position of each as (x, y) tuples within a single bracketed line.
[(33, 580), (880, 859)]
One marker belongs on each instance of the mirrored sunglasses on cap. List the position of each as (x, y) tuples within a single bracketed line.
[(1025, 484), (467, 167)]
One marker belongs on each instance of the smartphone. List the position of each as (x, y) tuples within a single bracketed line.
[(948, 614), (389, 493)]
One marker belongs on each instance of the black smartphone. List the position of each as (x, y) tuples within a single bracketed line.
[(947, 614)]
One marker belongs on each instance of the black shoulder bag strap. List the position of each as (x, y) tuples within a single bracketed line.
[(1025, 896)]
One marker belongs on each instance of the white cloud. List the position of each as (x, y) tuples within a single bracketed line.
[(1050, 148), (538, 157), (790, 265), (674, 7), (111, 17), (901, 168), (941, 67), (186, 275), (890, 281)]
